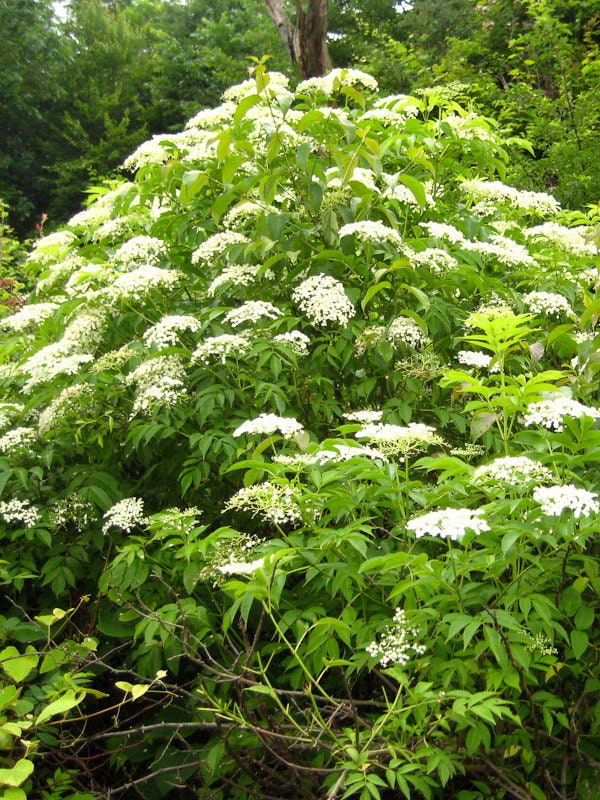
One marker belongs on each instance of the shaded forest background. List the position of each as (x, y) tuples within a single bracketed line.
[(81, 90)]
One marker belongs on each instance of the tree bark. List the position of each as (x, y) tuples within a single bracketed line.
[(306, 39)]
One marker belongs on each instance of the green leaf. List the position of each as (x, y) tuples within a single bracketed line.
[(69, 700), (416, 187), (372, 291), (579, 643), (17, 774), (18, 666)]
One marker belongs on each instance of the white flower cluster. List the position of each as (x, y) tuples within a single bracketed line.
[(68, 400), (165, 391), (74, 510), (277, 82), (20, 511), (113, 360), (435, 259), (166, 332), (241, 567), (270, 423), (59, 240), (551, 412), (504, 250), (469, 126), (28, 317), (405, 331), (441, 230), (246, 212), (87, 276), (534, 202), (216, 245), (86, 330), (477, 359), (448, 523), (274, 502), (364, 416), (296, 341), (514, 470), (343, 452), (337, 178), (571, 240), (159, 382), (253, 312), (334, 80), (8, 413), (323, 300), (556, 499), (394, 440), (126, 515), (150, 152), (114, 230), (220, 348), (397, 644), (384, 116), (140, 251), (235, 275), (53, 360), (59, 272), (542, 643), (136, 286), (371, 231), (401, 193), (550, 303), (213, 117)]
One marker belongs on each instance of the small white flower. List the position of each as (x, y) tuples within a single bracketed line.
[(556, 499), (166, 332), (364, 416), (126, 515), (20, 511), (397, 644), (216, 245), (253, 312), (274, 502), (551, 412), (141, 251), (405, 331), (296, 341), (29, 316), (550, 303), (270, 423), (220, 348), (323, 300), (571, 240), (401, 440), (17, 440), (371, 231), (448, 523), (435, 259), (514, 470), (475, 358), (241, 567)]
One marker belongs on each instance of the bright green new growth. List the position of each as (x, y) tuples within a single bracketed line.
[(251, 431)]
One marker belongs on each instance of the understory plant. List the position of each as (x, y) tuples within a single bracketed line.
[(300, 424)]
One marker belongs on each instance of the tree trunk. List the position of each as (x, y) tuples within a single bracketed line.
[(306, 40)]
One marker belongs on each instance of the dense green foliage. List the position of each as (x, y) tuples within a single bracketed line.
[(300, 468)]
